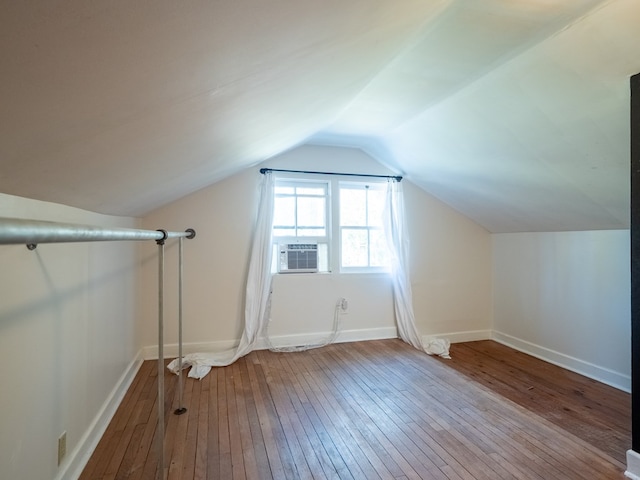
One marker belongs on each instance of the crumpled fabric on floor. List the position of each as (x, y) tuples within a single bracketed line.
[(201, 363), (438, 346)]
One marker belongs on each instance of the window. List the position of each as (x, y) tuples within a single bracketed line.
[(305, 212), (362, 241), (300, 209), (301, 216)]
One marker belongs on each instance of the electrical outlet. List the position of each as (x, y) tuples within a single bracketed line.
[(344, 305), (62, 447)]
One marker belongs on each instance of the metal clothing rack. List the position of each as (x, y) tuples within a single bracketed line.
[(14, 231)]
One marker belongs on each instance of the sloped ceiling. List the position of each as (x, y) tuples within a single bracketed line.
[(514, 112)]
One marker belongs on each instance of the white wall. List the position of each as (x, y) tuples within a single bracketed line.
[(67, 317), (565, 296), (451, 265), (71, 325), (450, 269)]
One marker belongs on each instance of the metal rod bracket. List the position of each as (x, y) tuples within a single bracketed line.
[(165, 235)]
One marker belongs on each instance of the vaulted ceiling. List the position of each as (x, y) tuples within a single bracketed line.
[(514, 112)]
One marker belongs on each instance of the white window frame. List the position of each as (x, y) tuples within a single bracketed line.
[(323, 241), (332, 240), (367, 185)]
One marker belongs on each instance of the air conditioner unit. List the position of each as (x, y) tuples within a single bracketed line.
[(298, 258)]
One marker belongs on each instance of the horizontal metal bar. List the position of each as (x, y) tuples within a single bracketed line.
[(15, 231), (395, 177)]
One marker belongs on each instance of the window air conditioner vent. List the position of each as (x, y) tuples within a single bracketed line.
[(298, 258)]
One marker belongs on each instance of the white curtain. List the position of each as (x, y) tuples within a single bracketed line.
[(398, 242), (257, 292)]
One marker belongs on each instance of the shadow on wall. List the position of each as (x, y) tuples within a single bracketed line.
[(57, 297)]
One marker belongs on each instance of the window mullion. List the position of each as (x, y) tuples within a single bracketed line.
[(368, 246), (295, 212), (366, 221)]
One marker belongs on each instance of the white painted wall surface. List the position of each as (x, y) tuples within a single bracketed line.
[(565, 296), (450, 269), (67, 325), (451, 265)]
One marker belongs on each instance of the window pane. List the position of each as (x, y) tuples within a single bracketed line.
[(284, 232), (376, 207), (323, 257), (354, 247), (284, 212), (284, 189), (353, 205), (311, 191), (311, 212), (311, 232), (379, 255)]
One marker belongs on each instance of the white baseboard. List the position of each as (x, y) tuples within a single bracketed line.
[(633, 465), (380, 333), (80, 455), (459, 337), (604, 375), (150, 352), (344, 336), (171, 350)]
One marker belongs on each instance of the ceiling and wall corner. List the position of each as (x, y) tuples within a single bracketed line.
[(515, 113)]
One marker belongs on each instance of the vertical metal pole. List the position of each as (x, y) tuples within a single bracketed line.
[(161, 358), (181, 409), (635, 263)]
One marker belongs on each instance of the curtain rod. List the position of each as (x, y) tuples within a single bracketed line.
[(16, 231), (265, 170)]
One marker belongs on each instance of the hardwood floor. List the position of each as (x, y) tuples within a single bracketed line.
[(373, 410), (584, 407)]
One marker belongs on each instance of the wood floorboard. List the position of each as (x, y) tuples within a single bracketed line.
[(371, 410), (317, 457), (575, 403)]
